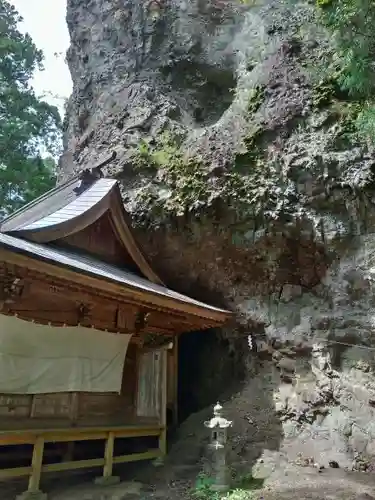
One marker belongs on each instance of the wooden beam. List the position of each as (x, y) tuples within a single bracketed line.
[(79, 464), (160, 316), (16, 472), (75, 434), (118, 290), (134, 457), (74, 465)]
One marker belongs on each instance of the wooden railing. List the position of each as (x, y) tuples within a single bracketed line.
[(38, 438)]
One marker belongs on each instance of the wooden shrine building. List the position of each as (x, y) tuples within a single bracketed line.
[(88, 332)]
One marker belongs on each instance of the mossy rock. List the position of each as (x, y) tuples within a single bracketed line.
[(323, 3), (256, 99)]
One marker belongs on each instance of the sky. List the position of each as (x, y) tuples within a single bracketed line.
[(44, 20)]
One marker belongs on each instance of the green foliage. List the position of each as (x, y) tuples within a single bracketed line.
[(203, 489), (28, 125), (351, 22), (187, 181), (142, 157), (247, 190), (323, 3), (250, 3), (365, 122)]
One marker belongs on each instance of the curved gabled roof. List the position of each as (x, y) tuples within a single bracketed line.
[(67, 210), (46, 204), (75, 214)]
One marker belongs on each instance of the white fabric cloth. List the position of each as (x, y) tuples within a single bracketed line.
[(40, 359)]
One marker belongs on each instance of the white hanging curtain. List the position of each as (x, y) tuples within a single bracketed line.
[(40, 359)]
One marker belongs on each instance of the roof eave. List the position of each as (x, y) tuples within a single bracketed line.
[(121, 226), (38, 264), (8, 220), (63, 229)]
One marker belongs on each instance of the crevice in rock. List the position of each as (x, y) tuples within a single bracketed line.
[(204, 92), (206, 364)]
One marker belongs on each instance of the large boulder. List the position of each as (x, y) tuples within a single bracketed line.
[(235, 161)]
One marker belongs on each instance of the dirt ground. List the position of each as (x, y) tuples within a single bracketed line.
[(290, 483), (255, 440)]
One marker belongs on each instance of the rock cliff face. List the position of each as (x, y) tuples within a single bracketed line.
[(233, 153)]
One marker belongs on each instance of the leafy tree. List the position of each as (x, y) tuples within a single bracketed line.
[(29, 127), (352, 24)]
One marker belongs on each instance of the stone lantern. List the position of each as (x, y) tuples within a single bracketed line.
[(218, 447)]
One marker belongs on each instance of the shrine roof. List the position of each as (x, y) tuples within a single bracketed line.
[(62, 206), (37, 233), (73, 206), (87, 265)]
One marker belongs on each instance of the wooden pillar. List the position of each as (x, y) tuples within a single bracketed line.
[(163, 405), (107, 478), (36, 466), (108, 455)]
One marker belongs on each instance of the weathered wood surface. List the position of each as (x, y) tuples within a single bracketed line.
[(172, 381), (50, 300), (165, 315), (150, 384), (100, 240), (15, 406), (40, 437), (51, 405)]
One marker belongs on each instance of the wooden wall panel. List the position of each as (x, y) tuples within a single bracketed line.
[(150, 380), (57, 405), (16, 406), (93, 405)]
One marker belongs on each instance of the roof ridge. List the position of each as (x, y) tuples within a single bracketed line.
[(88, 192), (56, 189), (36, 201)]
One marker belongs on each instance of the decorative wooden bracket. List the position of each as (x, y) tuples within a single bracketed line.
[(141, 319), (131, 319)]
